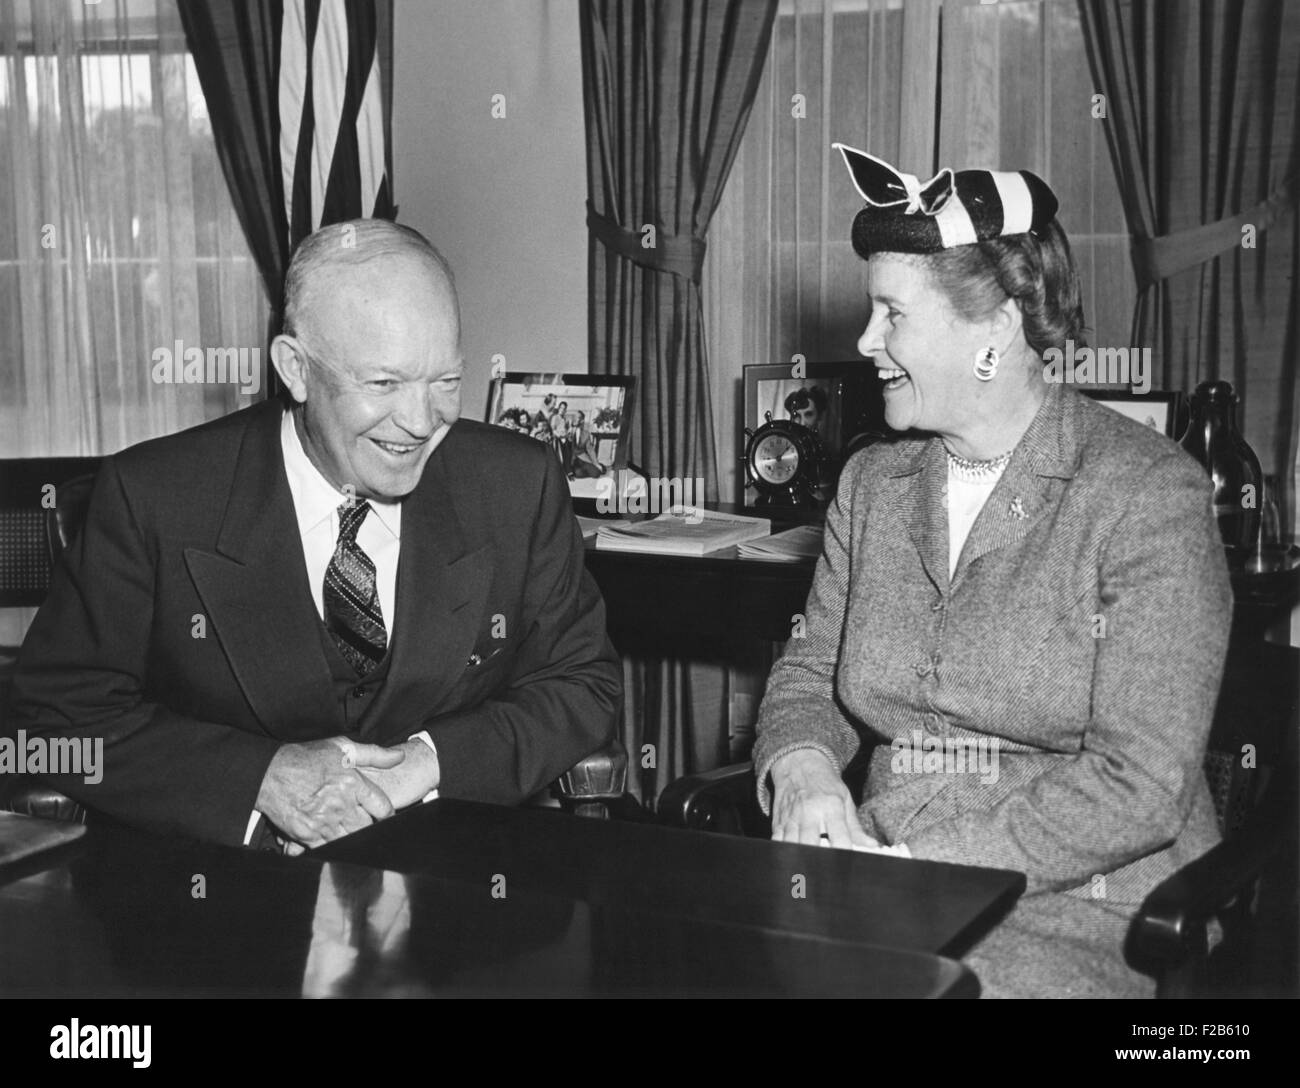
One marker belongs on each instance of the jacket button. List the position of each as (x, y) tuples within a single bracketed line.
[(359, 692), (923, 668), (937, 606)]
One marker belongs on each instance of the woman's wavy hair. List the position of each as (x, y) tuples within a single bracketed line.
[(1038, 272)]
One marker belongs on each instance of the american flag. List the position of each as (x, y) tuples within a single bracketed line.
[(332, 148)]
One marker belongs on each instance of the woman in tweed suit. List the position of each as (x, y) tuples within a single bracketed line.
[(1025, 606)]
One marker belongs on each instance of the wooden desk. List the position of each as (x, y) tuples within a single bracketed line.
[(712, 607), (709, 608), (715, 607), (582, 908), (879, 900)]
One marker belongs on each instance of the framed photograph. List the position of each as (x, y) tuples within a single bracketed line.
[(841, 403), (584, 418), (1165, 412)]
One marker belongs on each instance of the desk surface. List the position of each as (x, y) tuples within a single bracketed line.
[(458, 898)]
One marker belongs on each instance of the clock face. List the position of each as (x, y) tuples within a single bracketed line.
[(776, 459)]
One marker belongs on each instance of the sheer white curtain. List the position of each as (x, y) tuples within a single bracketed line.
[(922, 84), (117, 235)]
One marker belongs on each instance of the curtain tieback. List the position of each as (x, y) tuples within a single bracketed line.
[(680, 255), (1156, 259)]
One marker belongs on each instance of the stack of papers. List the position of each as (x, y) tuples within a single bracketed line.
[(791, 546), (682, 531), (591, 526)]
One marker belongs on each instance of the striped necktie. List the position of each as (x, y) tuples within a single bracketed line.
[(352, 612)]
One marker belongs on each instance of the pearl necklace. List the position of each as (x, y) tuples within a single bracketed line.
[(976, 472)]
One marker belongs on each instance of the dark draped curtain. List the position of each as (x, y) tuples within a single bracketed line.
[(1201, 120), (668, 87), (236, 49)]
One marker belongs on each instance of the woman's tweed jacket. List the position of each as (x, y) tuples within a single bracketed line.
[(1083, 634)]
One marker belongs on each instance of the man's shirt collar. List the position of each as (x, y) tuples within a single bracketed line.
[(315, 499)]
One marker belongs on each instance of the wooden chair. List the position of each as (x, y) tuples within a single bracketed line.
[(42, 505), (32, 528), (1226, 924), (726, 800)]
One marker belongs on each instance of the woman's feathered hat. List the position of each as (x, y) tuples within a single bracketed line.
[(904, 215)]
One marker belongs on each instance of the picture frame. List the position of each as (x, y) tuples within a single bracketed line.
[(1163, 411), (842, 401), (584, 418)]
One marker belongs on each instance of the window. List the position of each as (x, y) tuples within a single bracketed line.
[(118, 238)]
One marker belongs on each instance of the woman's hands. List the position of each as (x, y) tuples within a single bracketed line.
[(812, 805)]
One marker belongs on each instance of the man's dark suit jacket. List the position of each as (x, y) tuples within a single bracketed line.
[(181, 628)]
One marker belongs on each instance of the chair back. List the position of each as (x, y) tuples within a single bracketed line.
[(34, 515), (1255, 720), (43, 502), (64, 520)]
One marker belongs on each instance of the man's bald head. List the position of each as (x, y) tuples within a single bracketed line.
[(370, 355), (344, 258)]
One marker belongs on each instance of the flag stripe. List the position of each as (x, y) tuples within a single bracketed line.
[(301, 222), (370, 141), (292, 92), (332, 141), (345, 198), (329, 65)]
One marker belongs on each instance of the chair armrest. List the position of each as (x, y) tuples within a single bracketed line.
[(724, 800), (28, 797), (1170, 926), (595, 782)]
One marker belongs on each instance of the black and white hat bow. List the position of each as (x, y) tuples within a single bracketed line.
[(905, 215)]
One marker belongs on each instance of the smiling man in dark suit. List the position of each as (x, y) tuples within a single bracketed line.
[(289, 622)]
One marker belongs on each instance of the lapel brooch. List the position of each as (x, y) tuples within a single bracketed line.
[(1018, 509)]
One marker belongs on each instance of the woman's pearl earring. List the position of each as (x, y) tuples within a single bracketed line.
[(986, 364)]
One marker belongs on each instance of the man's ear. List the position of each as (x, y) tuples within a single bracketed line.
[(291, 364)]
